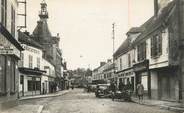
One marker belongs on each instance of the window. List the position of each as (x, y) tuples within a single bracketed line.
[(156, 45), (38, 62), (141, 51), (129, 60), (12, 21), (120, 64), (4, 12), (30, 61)]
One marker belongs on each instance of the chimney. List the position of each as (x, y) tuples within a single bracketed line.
[(156, 8), (102, 63)]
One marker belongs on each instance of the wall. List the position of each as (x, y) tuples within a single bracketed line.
[(162, 60), (35, 55), (154, 84)]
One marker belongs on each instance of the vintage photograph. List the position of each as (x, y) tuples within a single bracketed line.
[(91, 56)]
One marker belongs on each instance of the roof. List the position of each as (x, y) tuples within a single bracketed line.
[(135, 30), (155, 22), (25, 39), (123, 48), (42, 33)]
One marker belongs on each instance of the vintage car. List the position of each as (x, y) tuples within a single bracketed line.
[(103, 90), (119, 95)]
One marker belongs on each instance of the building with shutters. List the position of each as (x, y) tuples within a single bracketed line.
[(37, 75), (9, 53), (156, 53)]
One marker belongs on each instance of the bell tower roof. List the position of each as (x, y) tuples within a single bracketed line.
[(43, 14)]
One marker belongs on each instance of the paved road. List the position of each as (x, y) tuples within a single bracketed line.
[(77, 101)]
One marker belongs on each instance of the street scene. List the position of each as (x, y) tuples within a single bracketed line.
[(92, 56), (78, 101)]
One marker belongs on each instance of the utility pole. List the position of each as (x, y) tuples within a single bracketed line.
[(129, 14), (113, 39)]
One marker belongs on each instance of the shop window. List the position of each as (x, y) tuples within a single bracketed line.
[(4, 12), (141, 51), (30, 61), (156, 45), (12, 21)]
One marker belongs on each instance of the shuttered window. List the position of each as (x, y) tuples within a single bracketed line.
[(12, 21), (30, 61), (141, 51), (156, 45), (4, 12)]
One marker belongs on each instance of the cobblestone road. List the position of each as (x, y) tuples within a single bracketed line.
[(77, 101)]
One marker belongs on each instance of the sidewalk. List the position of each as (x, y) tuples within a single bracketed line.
[(173, 106), (32, 108), (59, 93), (24, 109)]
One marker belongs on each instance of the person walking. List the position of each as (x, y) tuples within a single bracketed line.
[(140, 91), (113, 89)]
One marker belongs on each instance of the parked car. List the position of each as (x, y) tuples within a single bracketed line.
[(93, 87), (119, 95), (103, 90)]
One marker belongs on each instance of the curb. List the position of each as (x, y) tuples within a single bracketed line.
[(48, 96), (171, 108)]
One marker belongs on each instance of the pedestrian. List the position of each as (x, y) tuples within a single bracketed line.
[(121, 86), (140, 91), (113, 89)]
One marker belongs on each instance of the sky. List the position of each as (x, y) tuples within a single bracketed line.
[(85, 26)]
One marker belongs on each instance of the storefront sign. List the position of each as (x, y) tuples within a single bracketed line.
[(8, 48), (141, 66)]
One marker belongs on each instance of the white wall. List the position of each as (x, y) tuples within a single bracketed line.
[(50, 71), (124, 58), (37, 54)]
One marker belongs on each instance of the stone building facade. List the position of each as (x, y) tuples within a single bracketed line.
[(9, 53)]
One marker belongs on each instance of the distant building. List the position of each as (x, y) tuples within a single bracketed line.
[(103, 73), (9, 53)]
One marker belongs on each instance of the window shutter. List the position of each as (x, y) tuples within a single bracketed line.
[(152, 46), (160, 44)]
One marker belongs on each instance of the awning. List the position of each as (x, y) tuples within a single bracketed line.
[(30, 71)]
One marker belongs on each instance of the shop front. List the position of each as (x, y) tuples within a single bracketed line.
[(30, 81), (142, 75)]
